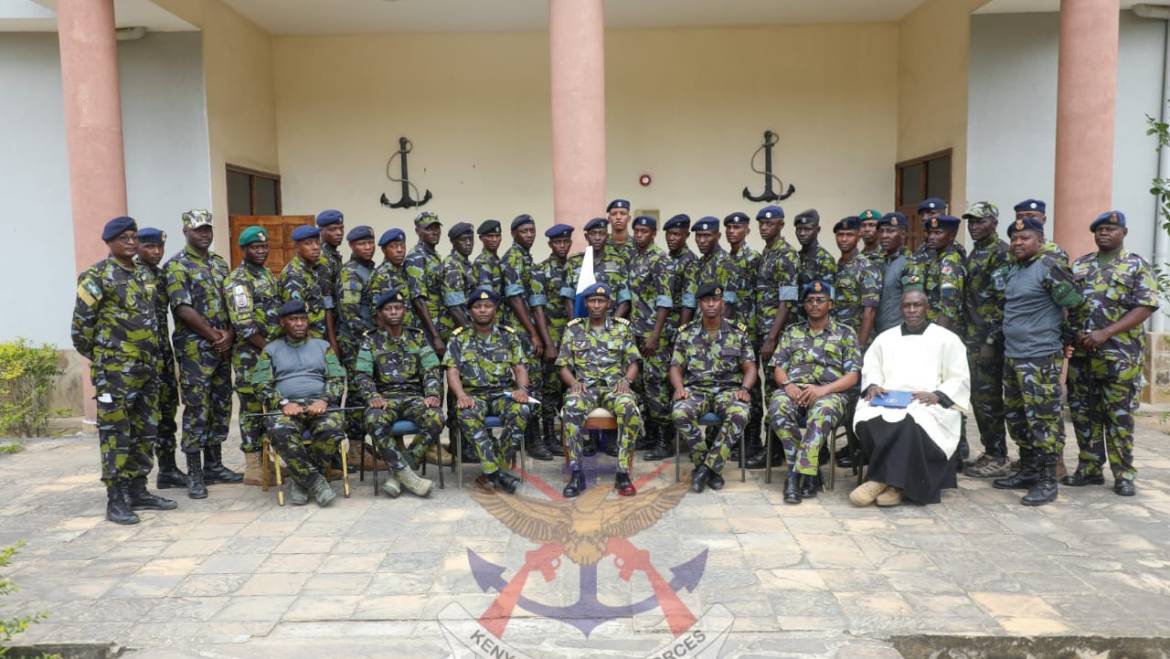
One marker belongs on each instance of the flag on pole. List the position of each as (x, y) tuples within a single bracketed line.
[(584, 280)]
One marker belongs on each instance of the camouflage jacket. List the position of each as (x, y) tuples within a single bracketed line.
[(385, 277), (943, 278), (681, 265), (162, 307), (520, 280), (712, 362), (598, 358), (714, 267), (115, 322), (858, 285), (776, 283), (485, 362), (424, 271), (820, 358), (308, 282), (332, 262), (458, 283), (354, 318), (607, 269), (814, 265), (649, 276), (626, 251), (253, 304), (1112, 288), (746, 266), (391, 366), (266, 378), (986, 269), (488, 272), (197, 282), (554, 277)]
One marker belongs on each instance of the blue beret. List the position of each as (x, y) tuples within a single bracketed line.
[(645, 221), (770, 213), (1031, 205), (710, 289), (488, 226), (1113, 218), (1026, 224), (931, 204), (482, 293), (817, 286), (596, 223), (117, 227), (290, 308), (390, 235), (851, 223), (360, 232), (153, 236), (331, 216), (558, 230), (305, 232), (387, 296), (736, 218), (943, 221), (460, 229), (810, 216), (893, 219), (595, 289), (707, 223), (617, 203), (680, 221), (521, 220)]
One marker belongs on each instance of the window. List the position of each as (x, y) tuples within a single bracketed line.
[(917, 179), (251, 192)]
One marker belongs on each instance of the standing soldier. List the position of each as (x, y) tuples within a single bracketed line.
[(859, 286), (203, 341), (869, 234), (713, 265), (895, 258), (486, 268), (554, 276), (713, 369), (458, 279), (115, 327), (305, 278), (939, 265), (609, 268), (747, 267), (332, 225), (1105, 371), (816, 264), (986, 269), (620, 243), (354, 321), (151, 246), (1036, 209), (1039, 288), (391, 273), (650, 302), (424, 275), (253, 303)]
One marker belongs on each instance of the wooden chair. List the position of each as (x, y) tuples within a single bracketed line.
[(400, 428), (269, 457)]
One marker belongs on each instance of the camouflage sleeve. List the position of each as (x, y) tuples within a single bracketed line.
[(564, 355), (451, 357), (871, 285), (783, 355), (1143, 290), (264, 382), (363, 371), (292, 286), (178, 285), (453, 293), (678, 358), (415, 274), (745, 346), (828, 265), (513, 278), (850, 351), (538, 297), (515, 351), (334, 378), (660, 277), (240, 307), (1058, 281), (350, 303), (730, 280), (85, 308), (572, 273), (428, 365), (691, 291), (327, 284), (630, 348), (951, 285), (788, 274)]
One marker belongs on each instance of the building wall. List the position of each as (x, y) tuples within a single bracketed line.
[(1012, 130)]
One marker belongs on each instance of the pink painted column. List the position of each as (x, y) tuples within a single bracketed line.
[(1085, 101), (576, 30), (93, 128)]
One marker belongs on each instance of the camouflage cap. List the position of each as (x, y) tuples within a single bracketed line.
[(980, 210), (426, 219), (196, 217)]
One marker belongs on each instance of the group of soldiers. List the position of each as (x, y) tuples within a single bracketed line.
[(664, 337)]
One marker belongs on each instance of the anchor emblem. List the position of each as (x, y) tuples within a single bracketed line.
[(770, 141), (405, 146)]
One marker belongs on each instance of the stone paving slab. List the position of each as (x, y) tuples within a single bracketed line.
[(236, 575)]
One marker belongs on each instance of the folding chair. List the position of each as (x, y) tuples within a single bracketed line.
[(269, 456), (708, 420), (400, 428), (491, 423), (599, 419)]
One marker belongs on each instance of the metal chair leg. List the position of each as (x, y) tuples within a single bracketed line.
[(264, 465), (677, 456), (767, 456), (439, 467), (458, 458), (743, 457), (373, 470), (832, 460), (344, 468)]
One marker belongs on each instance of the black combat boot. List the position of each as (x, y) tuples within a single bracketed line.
[(699, 479), (809, 486), (196, 488), (168, 472), (1081, 478), (665, 446), (1045, 489), (792, 487), (140, 498), (552, 439), (117, 508), (623, 485), (611, 442), (760, 459), (213, 469), (715, 480), (576, 484), (649, 438), (536, 448), (504, 481), (589, 444), (1023, 478)]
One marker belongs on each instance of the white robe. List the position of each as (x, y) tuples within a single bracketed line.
[(935, 360)]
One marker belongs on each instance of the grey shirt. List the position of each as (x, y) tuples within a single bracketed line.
[(1032, 318), (889, 312), (299, 369)]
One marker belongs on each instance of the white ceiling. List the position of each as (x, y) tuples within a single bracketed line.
[(1032, 6), (23, 16)]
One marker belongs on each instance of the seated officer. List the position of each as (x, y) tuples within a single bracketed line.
[(398, 372), (302, 378), (713, 369), (817, 362), (598, 361), (482, 364)]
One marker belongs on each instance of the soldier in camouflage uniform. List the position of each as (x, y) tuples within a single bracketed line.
[(1036, 209), (859, 286), (332, 225), (816, 364), (486, 267), (986, 271), (713, 369), (424, 276), (115, 327), (253, 301), (203, 341), (399, 374), (1039, 288), (815, 263), (458, 279), (608, 268), (306, 279), (598, 361), (746, 262), (939, 264), (354, 321), (649, 281), (895, 258), (483, 364), (869, 234), (620, 243), (151, 246), (390, 274), (713, 265), (1105, 370), (554, 277), (302, 377)]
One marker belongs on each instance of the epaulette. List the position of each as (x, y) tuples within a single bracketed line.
[(457, 331), (575, 321), (621, 320), (508, 329)]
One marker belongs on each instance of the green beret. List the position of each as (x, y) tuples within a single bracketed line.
[(253, 234)]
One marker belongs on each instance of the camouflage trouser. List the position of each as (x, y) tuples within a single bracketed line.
[(533, 362), (127, 420), (624, 407), (552, 394), (653, 384), (205, 384), (804, 454), (987, 399), (305, 458), (429, 420), (756, 420), (734, 412), (251, 427), (168, 406), (1102, 397), (355, 422), (494, 454), (1031, 396)]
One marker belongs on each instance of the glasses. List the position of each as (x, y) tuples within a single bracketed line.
[(816, 299)]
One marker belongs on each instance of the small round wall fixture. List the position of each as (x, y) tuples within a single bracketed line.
[(645, 180)]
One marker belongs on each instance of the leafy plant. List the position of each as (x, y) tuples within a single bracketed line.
[(26, 380), (10, 627), (1160, 188)]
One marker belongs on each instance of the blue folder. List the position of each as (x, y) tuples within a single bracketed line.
[(894, 399)]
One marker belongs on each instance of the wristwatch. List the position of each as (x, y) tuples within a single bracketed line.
[(785, 383)]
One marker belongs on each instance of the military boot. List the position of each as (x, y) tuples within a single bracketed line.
[(623, 485), (117, 507), (253, 474), (213, 469), (665, 446), (792, 487), (715, 480), (699, 478), (196, 488), (760, 459), (298, 495), (415, 484), (649, 438), (140, 498), (322, 491), (501, 482), (1081, 477), (168, 472), (610, 438), (535, 442), (552, 438), (809, 486), (576, 484), (1045, 488), (1023, 478)]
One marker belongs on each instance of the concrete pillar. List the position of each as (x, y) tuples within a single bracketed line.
[(577, 56), (1085, 101), (93, 128)]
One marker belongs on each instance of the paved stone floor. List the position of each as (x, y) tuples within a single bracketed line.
[(235, 575)]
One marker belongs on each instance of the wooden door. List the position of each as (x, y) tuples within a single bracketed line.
[(917, 179), (280, 244)]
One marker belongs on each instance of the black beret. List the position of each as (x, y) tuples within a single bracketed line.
[(680, 221), (645, 221), (810, 216), (388, 296), (710, 289), (521, 220), (595, 223), (488, 226), (151, 236), (481, 294), (736, 218), (290, 308), (851, 223), (460, 229)]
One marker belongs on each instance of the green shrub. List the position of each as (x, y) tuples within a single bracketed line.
[(10, 627), (26, 380)]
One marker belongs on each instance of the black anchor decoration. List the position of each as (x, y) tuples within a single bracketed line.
[(405, 146), (770, 140)]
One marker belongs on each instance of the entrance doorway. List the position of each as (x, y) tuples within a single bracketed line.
[(917, 179)]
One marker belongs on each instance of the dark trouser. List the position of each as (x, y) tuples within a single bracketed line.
[(987, 383)]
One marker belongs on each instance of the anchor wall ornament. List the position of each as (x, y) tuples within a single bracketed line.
[(770, 140), (405, 146)]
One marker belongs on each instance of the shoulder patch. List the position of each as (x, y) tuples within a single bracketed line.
[(457, 330), (741, 327), (575, 321), (621, 320), (508, 329)]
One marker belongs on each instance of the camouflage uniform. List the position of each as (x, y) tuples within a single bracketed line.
[(626, 251), (332, 263), (385, 277), (403, 371), (858, 285), (520, 280), (986, 269), (488, 272), (253, 301), (1103, 386), (681, 264), (168, 386), (354, 321), (943, 278), (458, 282), (775, 284), (712, 371), (205, 378), (309, 283), (608, 269), (715, 267), (485, 366), (816, 265), (424, 273), (817, 359), (746, 263), (115, 326), (599, 359), (649, 276), (554, 278)]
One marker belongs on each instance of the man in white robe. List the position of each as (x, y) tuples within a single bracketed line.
[(910, 449)]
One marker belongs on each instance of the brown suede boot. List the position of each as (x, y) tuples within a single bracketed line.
[(253, 475)]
